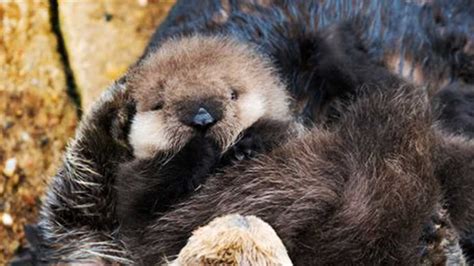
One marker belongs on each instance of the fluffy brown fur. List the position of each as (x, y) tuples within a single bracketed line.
[(358, 193)]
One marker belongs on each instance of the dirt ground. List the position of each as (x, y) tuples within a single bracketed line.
[(37, 116)]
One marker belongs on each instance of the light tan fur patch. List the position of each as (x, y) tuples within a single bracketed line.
[(408, 69), (234, 240), (148, 134)]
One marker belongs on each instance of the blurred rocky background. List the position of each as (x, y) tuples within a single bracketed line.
[(55, 59)]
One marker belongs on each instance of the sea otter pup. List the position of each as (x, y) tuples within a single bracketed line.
[(200, 102)]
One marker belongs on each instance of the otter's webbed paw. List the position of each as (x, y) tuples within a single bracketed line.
[(247, 147), (262, 137)]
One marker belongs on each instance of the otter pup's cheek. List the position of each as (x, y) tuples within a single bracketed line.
[(252, 108), (148, 135)]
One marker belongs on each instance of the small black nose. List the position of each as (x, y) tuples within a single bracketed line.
[(202, 119)]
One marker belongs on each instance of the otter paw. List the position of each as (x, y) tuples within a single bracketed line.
[(247, 147)]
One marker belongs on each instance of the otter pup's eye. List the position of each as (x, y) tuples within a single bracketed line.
[(234, 95), (157, 106)]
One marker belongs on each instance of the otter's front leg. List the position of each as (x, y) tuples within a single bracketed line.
[(147, 187)]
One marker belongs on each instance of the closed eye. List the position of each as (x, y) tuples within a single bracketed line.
[(234, 95), (157, 106)]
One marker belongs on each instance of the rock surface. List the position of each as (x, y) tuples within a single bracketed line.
[(104, 37), (36, 115)]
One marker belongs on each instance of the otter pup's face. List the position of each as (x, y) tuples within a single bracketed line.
[(201, 87)]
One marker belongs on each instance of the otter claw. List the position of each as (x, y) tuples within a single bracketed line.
[(239, 155), (249, 153), (247, 148)]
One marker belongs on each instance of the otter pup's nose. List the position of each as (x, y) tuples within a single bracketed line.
[(202, 119)]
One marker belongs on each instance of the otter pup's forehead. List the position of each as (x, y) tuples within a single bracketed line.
[(198, 50), (197, 60)]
